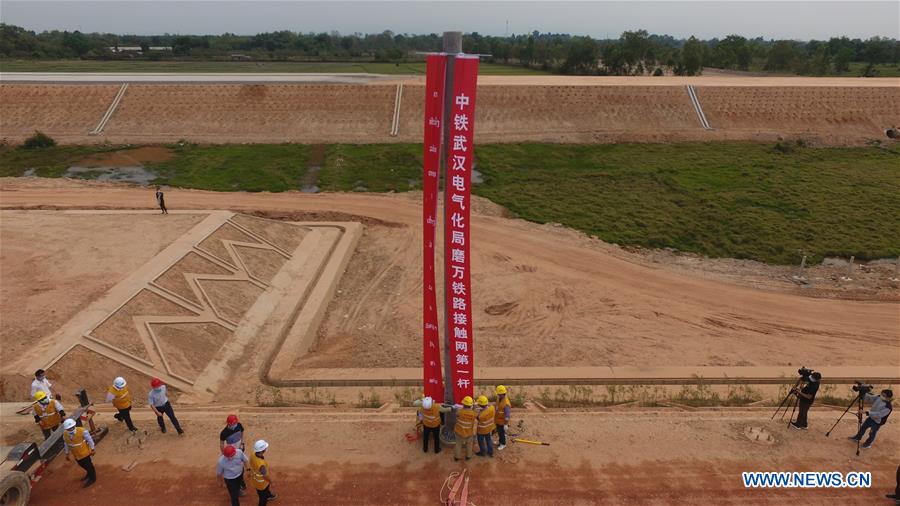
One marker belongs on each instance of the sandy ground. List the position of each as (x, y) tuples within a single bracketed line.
[(361, 457), (565, 298), (54, 265)]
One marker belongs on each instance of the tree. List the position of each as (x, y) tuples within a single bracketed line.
[(842, 60), (781, 56), (581, 57), (692, 56)]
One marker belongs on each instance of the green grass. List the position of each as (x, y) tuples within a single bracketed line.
[(738, 200), (375, 167), (241, 67), (235, 167)]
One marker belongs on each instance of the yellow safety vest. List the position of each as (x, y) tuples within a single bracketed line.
[(256, 478), (76, 443), (500, 416), (121, 397), (486, 421), (465, 423), (431, 418), (50, 418)]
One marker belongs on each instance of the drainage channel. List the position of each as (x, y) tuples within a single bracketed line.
[(697, 108)]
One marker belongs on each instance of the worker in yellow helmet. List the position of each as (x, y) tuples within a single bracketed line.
[(120, 397), (78, 443), (502, 415), (48, 413), (431, 415), (485, 415), (465, 428)]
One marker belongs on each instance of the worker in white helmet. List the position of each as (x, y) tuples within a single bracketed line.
[(260, 478), (78, 443), (120, 398), (431, 415)]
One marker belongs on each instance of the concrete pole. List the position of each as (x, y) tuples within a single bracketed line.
[(452, 45)]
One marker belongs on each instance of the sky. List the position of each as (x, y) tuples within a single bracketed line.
[(801, 20)]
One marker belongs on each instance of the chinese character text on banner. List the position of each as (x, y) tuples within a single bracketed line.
[(435, 69), (457, 244)]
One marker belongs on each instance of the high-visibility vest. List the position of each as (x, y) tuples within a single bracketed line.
[(76, 443), (50, 418), (431, 418), (256, 478), (500, 416), (465, 423), (486, 421), (121, 397)]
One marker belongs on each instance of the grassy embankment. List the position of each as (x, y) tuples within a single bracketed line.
[(740, 200)]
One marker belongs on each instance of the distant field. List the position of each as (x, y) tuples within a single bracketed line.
[(739, 200), (233, 67)]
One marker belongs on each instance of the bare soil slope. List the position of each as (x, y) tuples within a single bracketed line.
[(59, 110)]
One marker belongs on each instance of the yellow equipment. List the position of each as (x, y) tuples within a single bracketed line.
[(519, 440), (467, 401), (482, 400), (40, 395), (500, 389)]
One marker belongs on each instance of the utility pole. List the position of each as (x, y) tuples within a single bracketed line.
[(452, 45)]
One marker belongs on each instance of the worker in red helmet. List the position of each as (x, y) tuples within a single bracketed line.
[(159, 403), (231, 468), (233, 435)]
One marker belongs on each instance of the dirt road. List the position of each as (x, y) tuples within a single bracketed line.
[(356, 457)]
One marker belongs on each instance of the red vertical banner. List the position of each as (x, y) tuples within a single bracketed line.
[(435, 68), (457, 226)]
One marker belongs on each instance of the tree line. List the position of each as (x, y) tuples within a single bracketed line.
[(633, 53)]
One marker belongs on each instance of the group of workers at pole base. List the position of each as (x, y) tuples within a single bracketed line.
[(230, 466), (475, 419)]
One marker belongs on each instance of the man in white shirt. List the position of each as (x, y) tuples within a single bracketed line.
[(41, 383), (231, 467)]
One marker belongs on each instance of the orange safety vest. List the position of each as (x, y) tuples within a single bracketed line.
[(465, 423), (486, 421), (121, 397), (431, 418), (258, 481), (500, 416), (50, 418), (76, 443)]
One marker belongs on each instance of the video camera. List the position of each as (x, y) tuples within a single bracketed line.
[(861, 388), (805, 373)]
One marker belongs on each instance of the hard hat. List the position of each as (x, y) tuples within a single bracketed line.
[(427, 402), (231, 420), (260, 446), (467, 401), (69, 424), (482, 400), (229, 451), (156, 383), (40, 395), (500, 389), (119, 382)]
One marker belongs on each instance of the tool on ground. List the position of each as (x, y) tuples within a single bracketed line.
[(412, 438), (528, 441)]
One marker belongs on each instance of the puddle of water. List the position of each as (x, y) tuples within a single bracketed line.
[(136, 174)]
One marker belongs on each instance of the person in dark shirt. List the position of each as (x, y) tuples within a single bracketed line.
[(161, 200), (806, 396), (233, 435)]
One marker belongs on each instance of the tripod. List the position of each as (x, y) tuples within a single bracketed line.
[(785, 400), (859, 415)]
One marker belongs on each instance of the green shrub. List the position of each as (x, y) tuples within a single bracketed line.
[(38, 141)]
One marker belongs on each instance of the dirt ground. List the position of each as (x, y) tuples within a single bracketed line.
[(362, 457), (53, 265), (567, 299)]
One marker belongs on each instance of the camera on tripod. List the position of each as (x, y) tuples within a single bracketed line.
[(861, 388), (805, 373)]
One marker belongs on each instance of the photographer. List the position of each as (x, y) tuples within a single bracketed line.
[(805, 397), (877, 415)]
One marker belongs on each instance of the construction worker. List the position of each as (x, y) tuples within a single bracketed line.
[(430, 415), (485, 428), (259, 473), (120, 397), (78, 443), (41, 383), (48, 413), (159, 403), (465, 428), (502, 415), (231, 468), (233, 434)]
